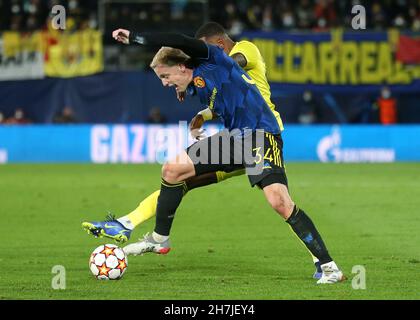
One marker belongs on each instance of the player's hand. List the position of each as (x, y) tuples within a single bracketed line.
[(121, 35), (180, 95), (197, 122), (197, 132)]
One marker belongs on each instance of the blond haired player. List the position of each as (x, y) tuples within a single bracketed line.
[(247, 55)]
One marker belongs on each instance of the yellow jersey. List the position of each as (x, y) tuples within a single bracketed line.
[(255, 67)]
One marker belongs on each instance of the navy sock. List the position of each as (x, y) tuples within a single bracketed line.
[(168, 201), (305, 229)]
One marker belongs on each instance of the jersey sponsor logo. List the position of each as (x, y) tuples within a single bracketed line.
[(248, 80), (212, 98), (199, 82)]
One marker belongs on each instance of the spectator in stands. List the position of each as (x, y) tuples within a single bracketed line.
[(156, 117), (288, 19), (177, 9), (309, 110), (254, 16), (379, 18), (325, 14), (267, 19), (304, 14), (18, 118), (65, 116), (387, 106)]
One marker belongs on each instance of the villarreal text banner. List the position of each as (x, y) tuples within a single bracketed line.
[(337, 59)]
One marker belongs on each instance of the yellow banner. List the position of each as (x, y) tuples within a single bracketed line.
[(335, 62), (73, 54), (21, 56), (14, 43), (56, 53)]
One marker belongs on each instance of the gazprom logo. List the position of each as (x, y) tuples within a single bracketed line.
[(329, 149)]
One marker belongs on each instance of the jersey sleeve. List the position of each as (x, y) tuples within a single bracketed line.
[(196, 49), (250, 52)]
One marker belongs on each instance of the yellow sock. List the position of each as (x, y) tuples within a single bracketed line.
[(221, 175), (145, 210)]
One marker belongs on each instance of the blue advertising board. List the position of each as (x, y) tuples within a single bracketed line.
[(156, 143)]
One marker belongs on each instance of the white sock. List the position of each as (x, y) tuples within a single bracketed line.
[(126, 222), (159, 238)]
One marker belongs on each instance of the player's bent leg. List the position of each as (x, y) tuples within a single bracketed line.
[(173, 188), (211, 178), (201, 180), (279, 198), (145, 210), (222, 176), (120, 229), (179, 169)]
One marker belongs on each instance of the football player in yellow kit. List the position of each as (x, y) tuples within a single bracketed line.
[(247, 55)]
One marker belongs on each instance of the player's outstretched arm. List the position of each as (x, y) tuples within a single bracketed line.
[(196, 49), (121, 35)]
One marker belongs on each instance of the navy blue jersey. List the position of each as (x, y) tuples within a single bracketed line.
[(224, 87)]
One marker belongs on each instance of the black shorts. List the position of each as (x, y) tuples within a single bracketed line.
[(260, 153)]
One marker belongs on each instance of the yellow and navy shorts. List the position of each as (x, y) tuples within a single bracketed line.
[(259, 153)]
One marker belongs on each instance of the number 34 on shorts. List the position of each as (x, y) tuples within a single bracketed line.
[(272, 154)]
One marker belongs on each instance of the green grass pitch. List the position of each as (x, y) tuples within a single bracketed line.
[(227, 243)]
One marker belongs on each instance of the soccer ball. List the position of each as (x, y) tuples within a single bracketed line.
[(108, 262)]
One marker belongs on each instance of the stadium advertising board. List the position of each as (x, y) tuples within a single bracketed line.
[(154, 143)]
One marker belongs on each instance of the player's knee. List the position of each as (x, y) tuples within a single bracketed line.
[(170, 173), (282, 204)]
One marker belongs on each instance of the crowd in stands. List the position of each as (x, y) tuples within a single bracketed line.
[(317, 15), (18, 117), (64, 116), (236, 15), (31, 15)]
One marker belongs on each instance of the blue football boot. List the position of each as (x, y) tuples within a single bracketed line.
[(318, 271), (110, 228)]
